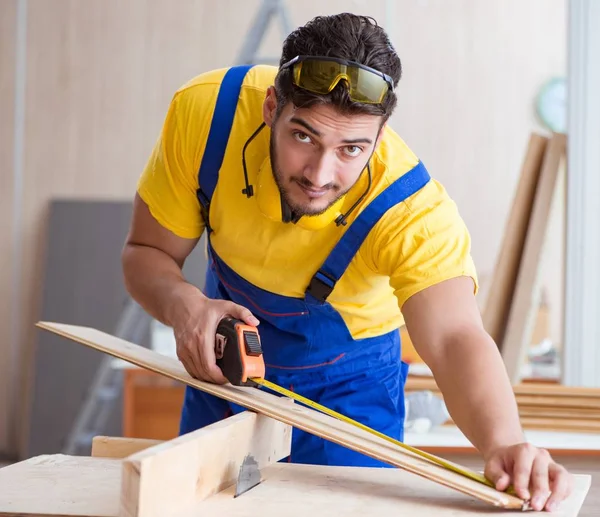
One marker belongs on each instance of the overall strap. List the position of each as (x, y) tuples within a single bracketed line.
[(216, 143), (324, 280)]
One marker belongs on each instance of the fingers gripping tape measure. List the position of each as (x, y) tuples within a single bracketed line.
[(239, 355)]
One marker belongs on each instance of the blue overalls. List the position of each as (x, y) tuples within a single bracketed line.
[(306, 344)]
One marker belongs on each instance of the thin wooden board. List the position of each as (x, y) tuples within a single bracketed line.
[(591, 414), (558, 424), (75, 486), (497, 306), (296, 415), (519, 325), (523, 389)]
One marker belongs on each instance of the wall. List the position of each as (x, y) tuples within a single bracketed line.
[(472, 71), (100, 75), (582, 279)]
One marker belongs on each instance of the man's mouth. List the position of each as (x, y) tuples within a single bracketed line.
[(312, 193)]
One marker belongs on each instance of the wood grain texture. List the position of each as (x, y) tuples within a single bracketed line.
[(173, 476), (543, 406), (323, 491), (574, 461), (8, 25), (500, 294), (61, 486), (58, 485), (119, 447), (100, 76), (525, 389), (293, 414), (525, 302)]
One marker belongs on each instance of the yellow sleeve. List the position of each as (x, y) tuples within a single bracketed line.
[(169, 180), (422, 242)]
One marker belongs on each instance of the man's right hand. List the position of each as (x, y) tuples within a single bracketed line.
[(153, 259), (195, 320)]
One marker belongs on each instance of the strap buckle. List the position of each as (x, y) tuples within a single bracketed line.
[(321, 285), (204, 208)]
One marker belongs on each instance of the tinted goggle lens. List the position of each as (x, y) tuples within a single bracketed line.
[(322, 77)]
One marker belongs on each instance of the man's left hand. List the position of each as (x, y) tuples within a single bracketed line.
[(532, 472)]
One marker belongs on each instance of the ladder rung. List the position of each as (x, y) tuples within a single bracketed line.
[(107, 393), (85, 438)]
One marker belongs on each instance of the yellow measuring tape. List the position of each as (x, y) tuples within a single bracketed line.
[(476, 476)]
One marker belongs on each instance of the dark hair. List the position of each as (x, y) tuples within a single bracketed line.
[(346, 36)]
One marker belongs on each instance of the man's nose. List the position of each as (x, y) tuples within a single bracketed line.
[(320, 172)]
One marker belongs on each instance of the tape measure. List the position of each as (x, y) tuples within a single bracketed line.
[(315, 405), (239, 355)]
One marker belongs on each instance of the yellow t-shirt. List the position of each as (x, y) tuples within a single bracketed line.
[(416, 244)]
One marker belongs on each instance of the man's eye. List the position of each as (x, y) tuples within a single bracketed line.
[(353, 150), (301, 137)]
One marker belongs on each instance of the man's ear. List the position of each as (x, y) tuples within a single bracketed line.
[(270, 106)]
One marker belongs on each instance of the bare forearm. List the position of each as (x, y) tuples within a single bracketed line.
[(156, 282), (477, 392)]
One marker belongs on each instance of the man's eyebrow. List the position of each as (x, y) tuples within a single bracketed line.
[(358, 141), (305, 125), (310, 129)]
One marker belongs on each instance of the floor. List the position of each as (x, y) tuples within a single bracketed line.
[(575, 464)]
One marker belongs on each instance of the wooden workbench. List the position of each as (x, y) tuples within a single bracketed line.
[(191, 474), (196, 475)]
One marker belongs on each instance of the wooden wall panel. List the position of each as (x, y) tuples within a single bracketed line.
[(8, 14), (101, 74)]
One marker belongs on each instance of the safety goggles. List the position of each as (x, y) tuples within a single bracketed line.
[(321, 74)]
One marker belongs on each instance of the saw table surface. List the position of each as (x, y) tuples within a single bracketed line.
[(59, 485)]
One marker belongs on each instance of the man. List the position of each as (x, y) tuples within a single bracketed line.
[(325, 230)]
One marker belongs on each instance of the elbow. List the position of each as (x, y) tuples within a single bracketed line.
[(459, 344), (128, 265)]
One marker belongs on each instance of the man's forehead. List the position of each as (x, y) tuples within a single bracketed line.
[(324, 117)]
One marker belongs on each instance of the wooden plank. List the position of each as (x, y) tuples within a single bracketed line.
[(531, 389), (175, 475), (446, 450), (76, 486), (560, 412), (526, 295), (500, 294), (542, 406), (60, 485), (557, 424), (553, 423), (293, 414), (558, 402), (119, 447), (356, 492)]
